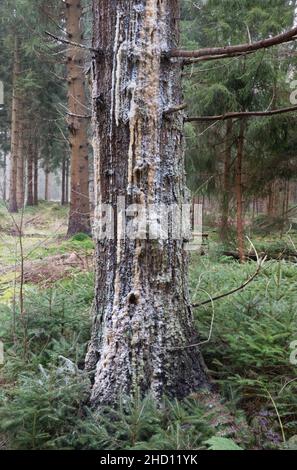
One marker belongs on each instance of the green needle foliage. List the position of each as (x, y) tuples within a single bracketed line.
[(257, 82), (44, 392), (249, 351)]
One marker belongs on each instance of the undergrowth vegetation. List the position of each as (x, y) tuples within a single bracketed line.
[(249, 349), (245, 340), (44, 389)]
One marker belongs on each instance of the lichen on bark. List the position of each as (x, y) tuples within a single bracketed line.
[(143, 324)]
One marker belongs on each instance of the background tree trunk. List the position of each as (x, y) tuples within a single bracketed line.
[(79, 216), (13, 207), (4, 190), (21, 158), (30, 159), (46, 185), (36, 160), (143, 323), (67, 183), (225, 204), (239, 195), (270, 201), (63, 182)]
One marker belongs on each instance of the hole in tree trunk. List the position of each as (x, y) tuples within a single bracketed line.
[(133, 298)]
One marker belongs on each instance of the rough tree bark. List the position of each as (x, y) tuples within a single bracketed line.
[(143, 334), (13, 207), (79, 216)]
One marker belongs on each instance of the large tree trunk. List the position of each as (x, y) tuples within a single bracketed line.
[(239, 195), (13, 207), (79, 216), (143, 333)]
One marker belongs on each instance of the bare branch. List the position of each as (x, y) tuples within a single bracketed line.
[(196, 60), (175, 109), (71, 43), (226, 51), (237, 289), (79, 116), (243, 114)]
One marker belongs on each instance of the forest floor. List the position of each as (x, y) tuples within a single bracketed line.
[(33, 245), (246, 342)]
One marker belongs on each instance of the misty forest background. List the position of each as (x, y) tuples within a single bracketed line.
[(244, 173)]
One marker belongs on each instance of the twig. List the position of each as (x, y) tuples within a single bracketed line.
[(244, 114), (286, 384), (79, 116), (196, 345), (260, 263), (71, 43), (277, 414), (196, 60), (282, 38), (175, 109)]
